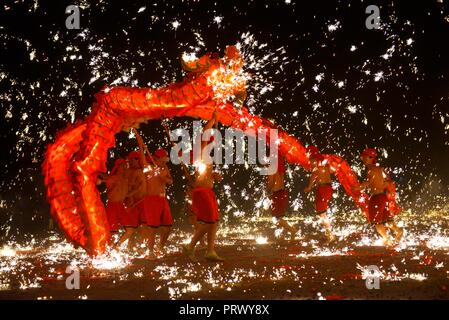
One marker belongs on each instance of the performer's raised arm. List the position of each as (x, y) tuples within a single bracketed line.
[(209, 125), (184, 168), (142, 149)]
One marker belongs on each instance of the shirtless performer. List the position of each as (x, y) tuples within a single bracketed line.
[(187, 207), (204, 204), (157, 215), (134, 201), (378, 182), (279, 197), (117, 190), (320, 179)]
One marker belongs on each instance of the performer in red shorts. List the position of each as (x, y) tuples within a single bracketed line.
[(135, 199), (187, 207), (279, 197), (320, 179), (117, 190), (204, 204), (379, 213), (157, 214)]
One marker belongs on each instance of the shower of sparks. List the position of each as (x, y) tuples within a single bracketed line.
[(187, 57), (331, 111)]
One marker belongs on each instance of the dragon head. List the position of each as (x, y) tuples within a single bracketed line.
[(224, 75)]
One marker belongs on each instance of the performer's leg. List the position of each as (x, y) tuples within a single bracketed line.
[(286, 226), (382, 230), (397, 230), (127, 236), (194, 222), (199, 233), (211, 236), (140, 236), (132, 242), (151, 240), (114, 239), (327, 225), (203, 238), (165, 232)]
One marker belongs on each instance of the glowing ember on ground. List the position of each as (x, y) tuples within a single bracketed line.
[(262, 240)]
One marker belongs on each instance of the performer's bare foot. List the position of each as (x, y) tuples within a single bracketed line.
[(293, 233), (213, 256), (281, 239), (382, 230), (150, 256), (388, 243), (189, 253), (134, 252), (330, 237), (399, 234), (160, 253)]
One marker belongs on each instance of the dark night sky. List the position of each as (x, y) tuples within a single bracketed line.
[(48, 76)]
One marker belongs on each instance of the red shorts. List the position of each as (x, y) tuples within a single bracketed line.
[(133, 215), (115, 211), (204, 205), (378, 211), (323, 194), (279, 203), (157, 212)]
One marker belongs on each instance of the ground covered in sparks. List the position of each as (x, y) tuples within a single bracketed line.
[(259, 264)]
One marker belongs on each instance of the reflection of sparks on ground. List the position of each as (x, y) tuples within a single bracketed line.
[(424, 249)]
